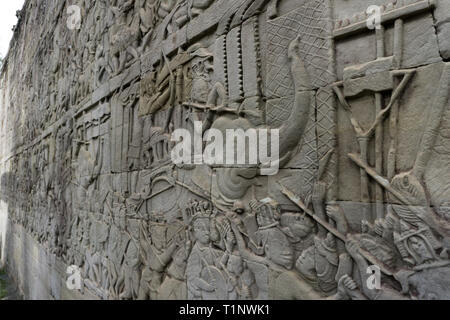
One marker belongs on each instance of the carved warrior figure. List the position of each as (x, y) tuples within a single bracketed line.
[(214, 270), (156, 257), (101, 69), (117, 243), (271, 240), (300, 231), (202, 70), (124, 35), (89, 169), (205, 281), (176, 13), (418, 232), (148, 15), (174, 285), (156, 147), (130, 270)]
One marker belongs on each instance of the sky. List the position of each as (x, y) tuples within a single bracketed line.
[(8, 19)]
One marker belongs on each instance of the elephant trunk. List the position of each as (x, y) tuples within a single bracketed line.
[(294, 128)]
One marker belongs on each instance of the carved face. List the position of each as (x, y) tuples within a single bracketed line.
[(200, 90), (265, 216), (411, 188), (202, 67), (305, 263), (419, 246), (235, 265), (300, 225), (202, 231), (201, 84), (444, 211)]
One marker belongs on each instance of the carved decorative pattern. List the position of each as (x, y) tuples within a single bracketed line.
[(310, 23)]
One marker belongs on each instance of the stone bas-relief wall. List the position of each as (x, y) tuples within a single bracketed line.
[(364, 117)]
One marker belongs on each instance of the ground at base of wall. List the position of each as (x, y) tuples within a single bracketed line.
[(7, 288)]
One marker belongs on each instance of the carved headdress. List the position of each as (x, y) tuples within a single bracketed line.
[(406, 239), (267, 212), (198, 210)]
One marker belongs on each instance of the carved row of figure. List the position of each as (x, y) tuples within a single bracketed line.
[(78, 191), (210, 254), (113, 34)]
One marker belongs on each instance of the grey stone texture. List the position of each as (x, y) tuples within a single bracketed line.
[(93, 206)]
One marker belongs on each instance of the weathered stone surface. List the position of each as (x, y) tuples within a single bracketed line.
[(94, 204), (443, 31)]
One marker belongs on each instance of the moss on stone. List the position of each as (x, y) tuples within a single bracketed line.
[(3, 285)]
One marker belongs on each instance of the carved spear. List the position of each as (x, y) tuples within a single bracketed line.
[(416, 174), (296, 200)]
